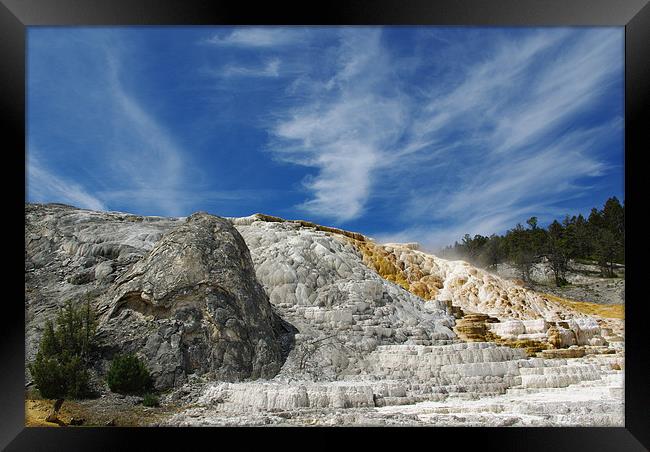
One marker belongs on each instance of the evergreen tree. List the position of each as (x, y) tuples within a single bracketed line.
[(557, 252), (601, 237), (604, 231), (494, 251), (521, 250), (614, 221), (60, 369), (473, 247)]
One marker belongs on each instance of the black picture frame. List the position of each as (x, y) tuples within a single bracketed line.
[(634, 15)]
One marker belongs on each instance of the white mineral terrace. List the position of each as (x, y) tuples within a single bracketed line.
[(475, 384)]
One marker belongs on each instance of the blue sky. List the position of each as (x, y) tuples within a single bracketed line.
[(402, 133)]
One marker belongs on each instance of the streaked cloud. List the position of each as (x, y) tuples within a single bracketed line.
[(44, 186), (343, 129), (472, 150), (410, 133), (521, 153), (140, 155), (145, 153), (257, 37), (268, 69)]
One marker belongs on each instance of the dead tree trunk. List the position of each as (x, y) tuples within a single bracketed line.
[(54, 414)]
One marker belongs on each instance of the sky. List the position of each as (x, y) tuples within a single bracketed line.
[(402, 133)]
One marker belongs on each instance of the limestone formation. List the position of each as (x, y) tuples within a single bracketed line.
[(467, 287), (259, 320), (318, 282), (473, 327), (458, 384), (526, 316)]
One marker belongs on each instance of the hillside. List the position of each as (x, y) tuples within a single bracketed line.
[(253, 315)]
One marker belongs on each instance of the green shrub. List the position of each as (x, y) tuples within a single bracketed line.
[(150, 400), (128, 375), (60, 369), (49, 376)]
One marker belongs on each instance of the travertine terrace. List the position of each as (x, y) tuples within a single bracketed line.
[(260, 320)]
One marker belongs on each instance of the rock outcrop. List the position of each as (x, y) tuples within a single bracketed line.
[(193, 305), (343, 310), (524, 315), (181, 293), (71, 254)]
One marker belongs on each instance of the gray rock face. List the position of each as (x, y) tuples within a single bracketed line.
[(180, 293), (103, 270), (68, 252), (193, 306)]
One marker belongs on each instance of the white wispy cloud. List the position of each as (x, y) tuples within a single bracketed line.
[(526, 157), (574, 80), (271, 68), (45, 186), (473, 153), (472, 142), (134, 153), (123, 154), (486, 86), (508, 182), (344, 129), (257, 37), (143, 153)]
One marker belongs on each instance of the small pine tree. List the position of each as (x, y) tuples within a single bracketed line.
[(128, 375), (49, 376), (60, 369), (150, 400)]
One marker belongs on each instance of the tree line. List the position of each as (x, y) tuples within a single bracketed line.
[(599, 238)]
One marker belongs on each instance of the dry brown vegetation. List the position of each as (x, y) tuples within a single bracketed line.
[(100, 412), (36, 411)]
